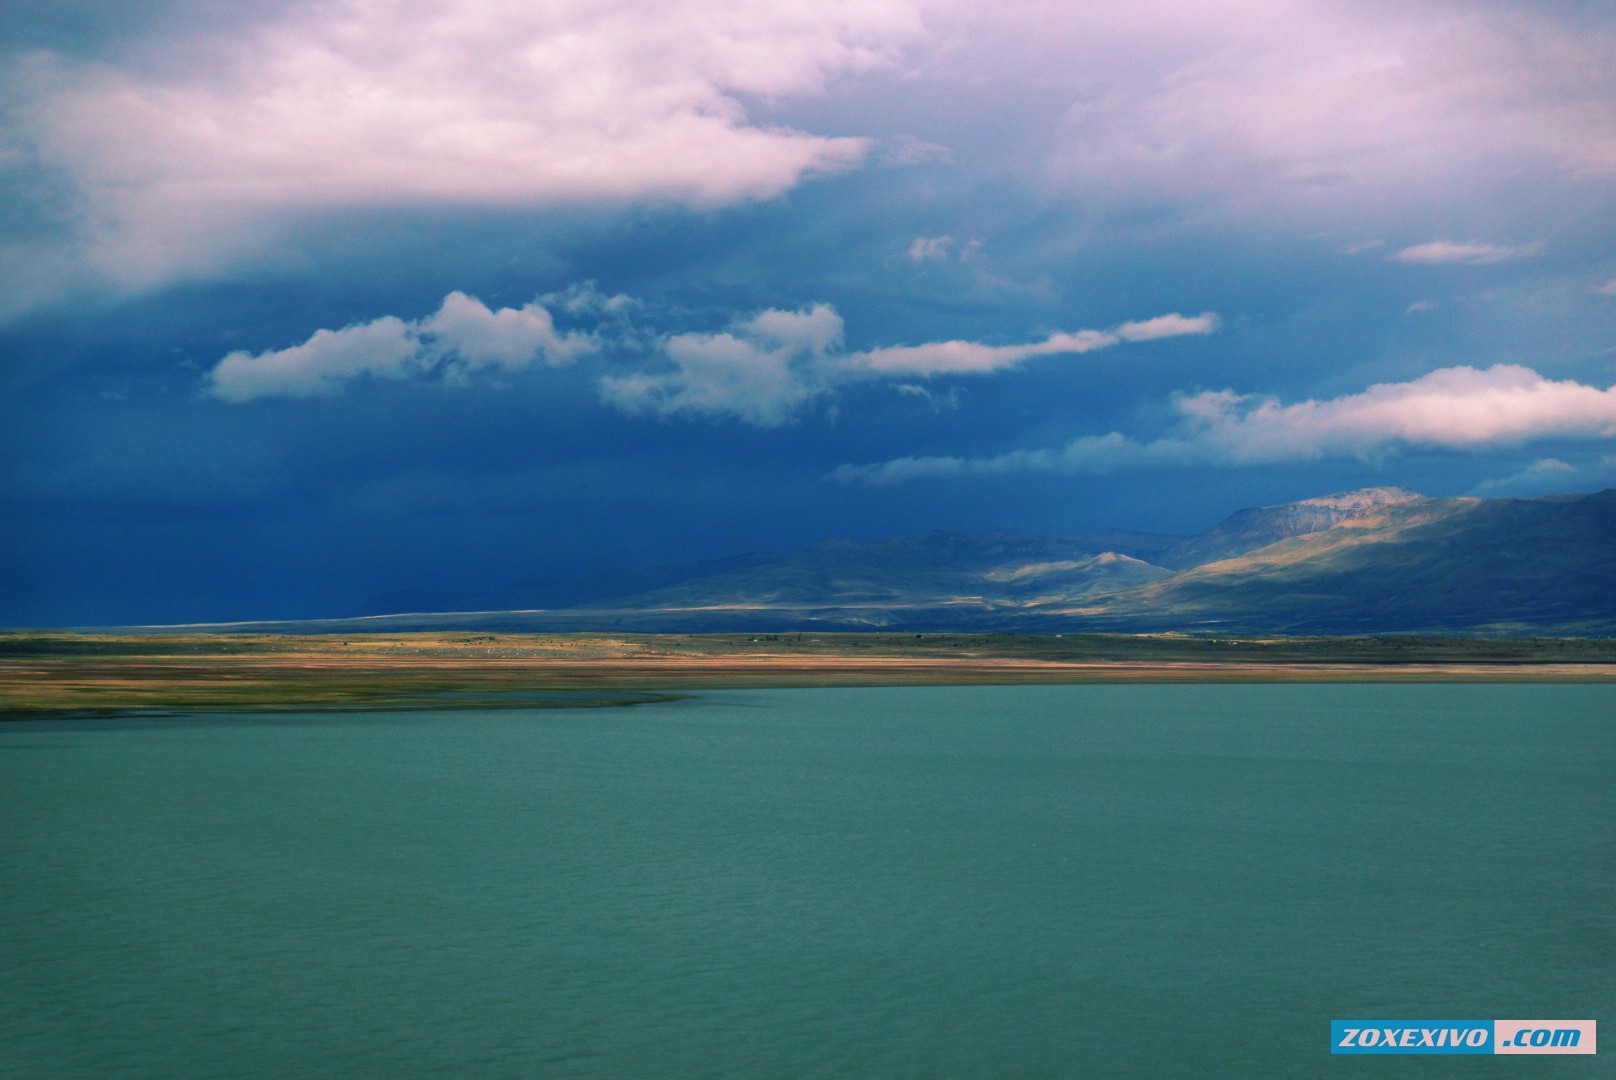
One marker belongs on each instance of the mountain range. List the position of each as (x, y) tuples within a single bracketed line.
[(1379, 560)]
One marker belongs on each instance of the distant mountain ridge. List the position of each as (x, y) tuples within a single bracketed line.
[(1378, 560), (1257, 527)]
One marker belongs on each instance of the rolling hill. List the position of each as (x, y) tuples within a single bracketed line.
[(1379, 560)]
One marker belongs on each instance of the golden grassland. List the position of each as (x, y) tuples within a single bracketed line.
[(44, 674)]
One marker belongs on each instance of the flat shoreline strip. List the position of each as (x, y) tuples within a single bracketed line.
[(59, 675)]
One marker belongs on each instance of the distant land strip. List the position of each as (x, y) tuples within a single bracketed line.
[(59, 674)]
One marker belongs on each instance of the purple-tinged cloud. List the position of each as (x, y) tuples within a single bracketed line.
[(1307, 108), (1457, 408), (184, 167), (191, 157)]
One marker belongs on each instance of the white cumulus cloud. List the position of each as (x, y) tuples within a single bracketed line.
[(1457, 408), (1541, 476), (1165, 326), (971, 357), (760, 371), (930, 248), (462, 337), (766, 369), (1471, 254)]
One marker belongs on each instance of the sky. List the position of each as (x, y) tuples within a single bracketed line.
[(309, 301)]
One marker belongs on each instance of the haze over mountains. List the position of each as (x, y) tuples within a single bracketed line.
[(1379, 560)]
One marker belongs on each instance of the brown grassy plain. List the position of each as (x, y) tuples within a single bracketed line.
[(65, 674)]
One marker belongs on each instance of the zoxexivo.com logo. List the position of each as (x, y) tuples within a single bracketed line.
[(1462, 1037)]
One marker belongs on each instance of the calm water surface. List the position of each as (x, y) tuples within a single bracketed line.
[(918, 882)]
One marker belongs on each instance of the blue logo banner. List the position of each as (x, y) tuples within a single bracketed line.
[(1411, 1036)]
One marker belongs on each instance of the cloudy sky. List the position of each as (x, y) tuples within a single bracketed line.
[(312, 300)]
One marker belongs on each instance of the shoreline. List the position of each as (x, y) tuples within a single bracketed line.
[(60, 675)]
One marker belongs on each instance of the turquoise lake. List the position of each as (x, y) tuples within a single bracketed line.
[(1064, 881)]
